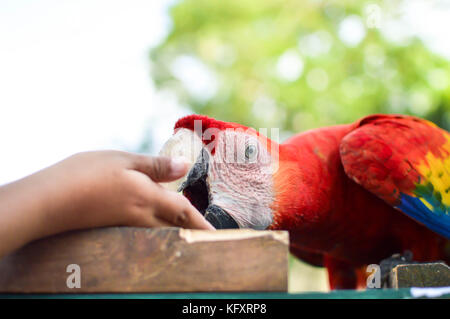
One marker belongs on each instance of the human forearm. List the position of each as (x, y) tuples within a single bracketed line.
[(24, 205)]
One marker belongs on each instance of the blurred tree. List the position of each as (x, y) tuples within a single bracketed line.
[(298, 64)]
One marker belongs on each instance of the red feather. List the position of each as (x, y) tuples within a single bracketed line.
[(328, 213)]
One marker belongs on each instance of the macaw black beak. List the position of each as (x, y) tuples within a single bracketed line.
[(196, 189), (219, 218)]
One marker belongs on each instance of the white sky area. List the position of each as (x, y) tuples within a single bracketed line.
[(75, 75)]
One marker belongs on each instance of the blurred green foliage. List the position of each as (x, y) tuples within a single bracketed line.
[(297, 64)]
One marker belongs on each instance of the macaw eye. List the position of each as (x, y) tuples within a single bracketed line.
[(250, 152)]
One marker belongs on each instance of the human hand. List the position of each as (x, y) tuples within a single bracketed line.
[(118, 188), (95, 189)]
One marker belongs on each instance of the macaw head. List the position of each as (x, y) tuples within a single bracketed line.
[(231, 179)]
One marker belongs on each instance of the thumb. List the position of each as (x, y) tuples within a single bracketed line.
[(162, 168)]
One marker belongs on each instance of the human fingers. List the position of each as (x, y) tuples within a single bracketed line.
[(177, 210), (161, 168)]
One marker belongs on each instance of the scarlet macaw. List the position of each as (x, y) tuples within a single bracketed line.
[(349, 195)]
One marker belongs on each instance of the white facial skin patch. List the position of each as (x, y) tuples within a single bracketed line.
[(240, 179)]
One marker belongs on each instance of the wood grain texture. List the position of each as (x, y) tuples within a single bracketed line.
[(127, 259), (420, 275)]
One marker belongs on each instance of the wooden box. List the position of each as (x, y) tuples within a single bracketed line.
[(127, 259)]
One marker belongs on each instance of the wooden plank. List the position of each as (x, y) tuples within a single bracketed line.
[(435, 274), (127, 259)]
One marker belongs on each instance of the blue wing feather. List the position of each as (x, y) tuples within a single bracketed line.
[(436, 220)]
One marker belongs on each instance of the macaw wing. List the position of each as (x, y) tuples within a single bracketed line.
[(406, 162)]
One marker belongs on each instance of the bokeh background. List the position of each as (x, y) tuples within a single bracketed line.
[(83, 75)]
